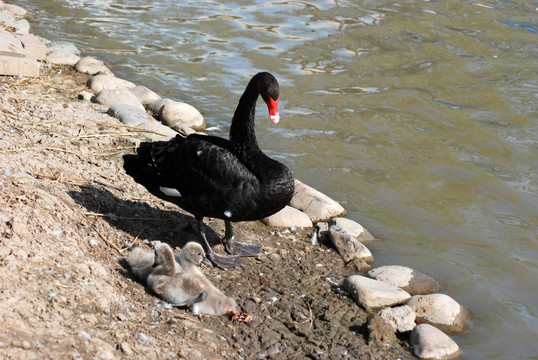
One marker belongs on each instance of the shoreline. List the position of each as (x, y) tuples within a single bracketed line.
[(53, 158)]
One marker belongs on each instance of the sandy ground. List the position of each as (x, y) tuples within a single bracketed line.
[(67, 210)]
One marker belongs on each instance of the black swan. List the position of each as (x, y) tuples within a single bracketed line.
[(210, 176)]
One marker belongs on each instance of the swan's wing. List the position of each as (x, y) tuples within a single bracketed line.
[(205, 178)]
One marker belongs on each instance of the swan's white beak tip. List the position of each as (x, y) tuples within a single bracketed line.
[(275, 118)]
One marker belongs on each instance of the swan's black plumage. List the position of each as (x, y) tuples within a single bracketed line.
[(214, 177)]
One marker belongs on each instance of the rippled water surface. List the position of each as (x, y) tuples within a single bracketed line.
[(418, 116)]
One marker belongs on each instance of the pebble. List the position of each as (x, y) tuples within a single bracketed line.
[(410, 280), (431, 343), (111, 97), (129, 114), (318, 206), (401, 318), (288, 217), (91, 66), (372, 294), (348, 246), (439, 310), (99, 82), (144, 95)]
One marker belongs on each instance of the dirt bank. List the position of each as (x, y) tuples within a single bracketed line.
[(67, 210)]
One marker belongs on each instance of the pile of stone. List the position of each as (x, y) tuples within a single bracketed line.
[(400, 297)]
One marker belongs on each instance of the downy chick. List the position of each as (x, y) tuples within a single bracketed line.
[(191, 284)]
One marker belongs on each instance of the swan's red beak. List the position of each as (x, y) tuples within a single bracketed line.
[(272, 105)]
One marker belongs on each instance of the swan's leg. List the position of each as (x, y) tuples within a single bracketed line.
[(236, 247), (222, 261), (190, 302)]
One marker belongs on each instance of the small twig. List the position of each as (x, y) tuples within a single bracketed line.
[(135, 128), (105, 135), (106, 240), (120, 217), (63, 150)]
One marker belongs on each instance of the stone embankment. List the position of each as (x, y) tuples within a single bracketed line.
[(401, 298)]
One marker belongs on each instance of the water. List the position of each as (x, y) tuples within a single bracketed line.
[(419, 117)]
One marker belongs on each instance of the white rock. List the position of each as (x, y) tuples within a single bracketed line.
[(431, 343), (22, 26), (63, 46), (15, 9), (401, 318), (410, 280), (373, 294), (439, 310), (99, 82), (172, 113), (318, 206), (156, 130), (10, 44), (288, 217), (348, 246), (129, 114), (155, 106), (353, 228), (62, 58), (144, 95), (92, 66), (111, 97)]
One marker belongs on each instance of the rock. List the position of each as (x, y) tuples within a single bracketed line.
[(129, 114), (379, 331), (348, 246), (144, 95), (110, 97), (156, 131), (439, 310), (63, 46), (15, 10), (155, 106), (99, 82), (288, 217), (431, 343), (62, 58), (318, 206), (372, 294), (172, 113), (22, 26), (410, 280), (184, 130), (401, 318), (92, 66), (33, 46), (10, 45), (353, 228)]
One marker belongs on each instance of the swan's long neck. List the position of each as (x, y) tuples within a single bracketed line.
[(242, 133)]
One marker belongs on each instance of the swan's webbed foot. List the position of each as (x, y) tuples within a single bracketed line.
[(224, 261), (239, 248), (221, 261), (242, 248)]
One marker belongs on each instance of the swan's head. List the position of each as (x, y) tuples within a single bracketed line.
[(269, 91), (192, 253)]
